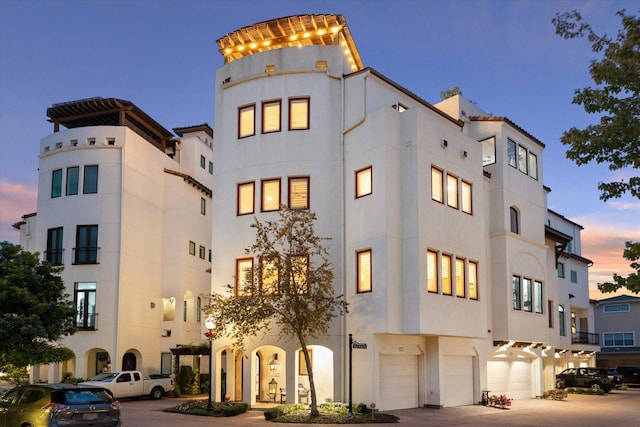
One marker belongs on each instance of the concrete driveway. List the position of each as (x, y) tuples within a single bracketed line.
[(618, 408)]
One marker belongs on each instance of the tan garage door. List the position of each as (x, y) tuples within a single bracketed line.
[(457, 389), (398, 382)]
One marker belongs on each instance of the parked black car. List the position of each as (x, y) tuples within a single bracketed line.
[(47, 405), (630, 374), (594, 378)]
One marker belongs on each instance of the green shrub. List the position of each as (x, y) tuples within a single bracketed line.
[(220, 409)]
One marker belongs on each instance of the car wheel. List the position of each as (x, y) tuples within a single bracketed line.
[(156, 393), (560, 384), (595, 386)]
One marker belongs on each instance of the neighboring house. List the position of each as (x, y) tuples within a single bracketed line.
[(125, 208), (441, 240), (618, 325)]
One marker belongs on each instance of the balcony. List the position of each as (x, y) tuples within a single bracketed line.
[(585, 338), (86, 255)]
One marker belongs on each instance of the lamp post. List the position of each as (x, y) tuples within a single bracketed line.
[(210, 324)]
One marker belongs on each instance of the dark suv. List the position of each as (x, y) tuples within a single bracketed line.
[(630, 374), (594, 378), (46, 405)]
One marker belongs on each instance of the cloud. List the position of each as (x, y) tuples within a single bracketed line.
[(16, 200)]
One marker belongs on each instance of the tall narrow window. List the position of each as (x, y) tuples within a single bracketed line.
[(560, 267), (574, 276), (269, 272), (574, 322), (514, 218), (466, 194), (247, 121), (364, 182), (299, 113), (86, 244), (203, 206), (202, 252), (270, 195), (54, 246), (516, 293), (432, 271), (437, 185), (192, 248), (300, 273), (56, 183), (364, 271), (533, 166), (527, 301), (271, 116), (460, 278), (203, 162), (446, 275), (244, 276), (473, 280), (488, 151), (73, 177), (210, 168), (452, 191), (246, 198), (561, 325), (522, 159), (84, 296), (511, 153), (299, 192), (538, 297), (550, 312), (198, 309), (90, 185)]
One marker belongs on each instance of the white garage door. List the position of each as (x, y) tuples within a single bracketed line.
[(398, 382), (457, 389), (510, 377)]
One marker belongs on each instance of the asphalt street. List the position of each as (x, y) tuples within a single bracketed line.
[(618, 408)]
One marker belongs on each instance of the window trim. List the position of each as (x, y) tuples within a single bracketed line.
[(623, 333), (192, 248), (434, 185), (86, 320), (460, 280), (432, 255), (448, 289), (252, 208), (239, 262), (242, 110), (72, 186), (453, 202), (514, 220), (265, 105), (527, 295), (203, 206), (263, 184), (290, 196), (361, 285), (516, 292), (362, 173), (624, 308), (473, 290), (56, 183), (466, 184), (55, 249), (86, 254), (87, 189), (294, 101), (274, 262)]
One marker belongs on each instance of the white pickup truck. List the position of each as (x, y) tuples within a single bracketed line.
[(131, 384)]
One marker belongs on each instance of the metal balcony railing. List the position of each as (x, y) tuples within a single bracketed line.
[(86, 255), (87, 321), (585, 338)]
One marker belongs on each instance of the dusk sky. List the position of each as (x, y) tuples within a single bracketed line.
[(162, 55)]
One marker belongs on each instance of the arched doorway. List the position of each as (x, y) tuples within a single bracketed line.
[(129, 362)]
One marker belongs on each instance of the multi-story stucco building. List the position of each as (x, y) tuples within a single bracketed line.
[(125, 208), (441, 239), (618, 326)]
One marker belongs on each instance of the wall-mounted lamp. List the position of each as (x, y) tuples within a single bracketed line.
[(269, 68), (273, 363)]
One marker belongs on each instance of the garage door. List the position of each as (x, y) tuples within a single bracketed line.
[(510, 377), (398, 382), (457, 389)]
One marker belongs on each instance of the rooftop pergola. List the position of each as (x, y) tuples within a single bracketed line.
[(291, 31)]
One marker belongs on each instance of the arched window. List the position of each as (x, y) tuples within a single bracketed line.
[(515, 220), (561, 320)]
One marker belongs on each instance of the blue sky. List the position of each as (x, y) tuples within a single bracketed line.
[(162, 55)]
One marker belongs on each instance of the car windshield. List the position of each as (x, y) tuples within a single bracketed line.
[(81, 397), (106, 377)]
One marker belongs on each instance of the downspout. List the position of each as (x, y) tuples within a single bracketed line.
[(117, 365)]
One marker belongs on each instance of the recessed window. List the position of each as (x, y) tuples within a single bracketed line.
[(203, 162), (73, 143), (90, 185), (244, 276), (300, 273), (246, 198), (437, 185), (514, 218), (452, 191), (299, 192), (84, 297), (522, 159), (202, 252), (54, 246), (446, 274), (203, 206), (111, 141), (560, 267), (271, 116), (516, 293), (211, 168), (533, 166), (574, 276), (615, 308), (473, 280), (488, 151), (270, 195), (364, 182), (299, 113), (511, 153), (561, 324), (192, 248), (364, 271), (86, 251), (247, 121), (58, 145), (91, 141), (56, 183), (460, 278), (538, 297), (432, 271), (619, 339), (466, 197), (527, 298), (269, 272), (73, 178)]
